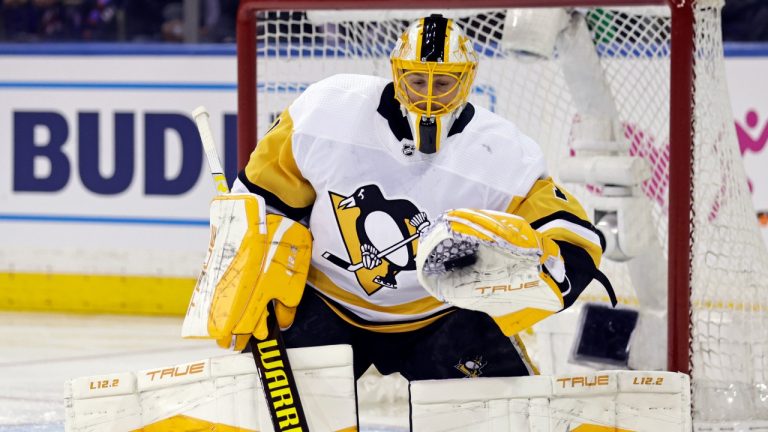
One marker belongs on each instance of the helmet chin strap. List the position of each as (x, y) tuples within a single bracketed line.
[(430, 132)]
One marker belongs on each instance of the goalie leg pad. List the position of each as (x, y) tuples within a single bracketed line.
[(220, 393), (326, 383), (612, 400)]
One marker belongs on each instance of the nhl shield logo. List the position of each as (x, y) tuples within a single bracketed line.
[(380, 235)]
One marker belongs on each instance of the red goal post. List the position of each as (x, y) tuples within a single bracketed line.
[(681, 214)]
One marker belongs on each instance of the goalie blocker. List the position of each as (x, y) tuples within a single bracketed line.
[(250, 285), (254, 260)]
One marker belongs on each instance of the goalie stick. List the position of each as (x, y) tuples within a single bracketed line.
[(271, 350), (340, 262)]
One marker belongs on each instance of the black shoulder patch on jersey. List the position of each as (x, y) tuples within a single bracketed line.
[(273, 201), (560, 194), (466, 115), (389, 108)]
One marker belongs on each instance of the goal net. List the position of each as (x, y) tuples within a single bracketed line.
[(594, 87)]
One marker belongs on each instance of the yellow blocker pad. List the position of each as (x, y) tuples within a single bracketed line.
[(253, 259), (491, 262)]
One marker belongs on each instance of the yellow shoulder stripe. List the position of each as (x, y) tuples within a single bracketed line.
[(547, 199), (272, 166), (544, 199)]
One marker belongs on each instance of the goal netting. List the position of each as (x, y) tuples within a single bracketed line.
[(593, 86)]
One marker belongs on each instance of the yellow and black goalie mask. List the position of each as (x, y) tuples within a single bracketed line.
[(433, 67)]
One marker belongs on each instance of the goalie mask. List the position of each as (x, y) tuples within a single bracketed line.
[(433, 66)]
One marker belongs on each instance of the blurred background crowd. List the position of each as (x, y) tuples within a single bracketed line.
[(213, 21), (117, 20)]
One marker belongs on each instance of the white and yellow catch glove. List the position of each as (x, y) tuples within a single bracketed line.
[(492, 262), (254, 259)]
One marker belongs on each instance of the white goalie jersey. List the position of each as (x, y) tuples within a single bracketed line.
[(342, 155)]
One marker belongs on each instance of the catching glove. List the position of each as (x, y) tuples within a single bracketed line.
[(492, 262)]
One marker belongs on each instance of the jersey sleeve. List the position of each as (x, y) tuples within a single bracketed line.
[(272, 172), (558, 215)]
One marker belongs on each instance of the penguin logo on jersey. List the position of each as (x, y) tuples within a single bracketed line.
[(381, 236), (471, 368)]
